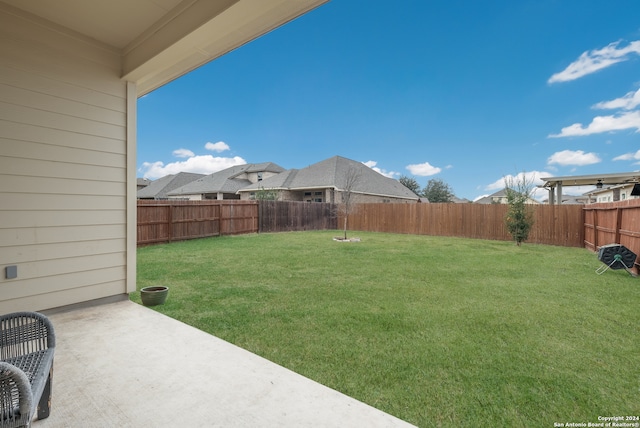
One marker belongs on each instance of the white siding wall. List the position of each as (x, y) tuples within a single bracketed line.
[(63, 167)]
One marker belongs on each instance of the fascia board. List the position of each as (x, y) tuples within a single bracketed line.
[(201, 32)]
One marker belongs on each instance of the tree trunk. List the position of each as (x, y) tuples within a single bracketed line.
[(345, 226)]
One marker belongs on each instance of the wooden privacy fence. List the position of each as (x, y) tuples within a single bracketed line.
[(589, 226), (553, 224), (167, 221), (278, 216), (612, 223)]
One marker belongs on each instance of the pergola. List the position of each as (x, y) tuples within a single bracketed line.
[(555, 184)]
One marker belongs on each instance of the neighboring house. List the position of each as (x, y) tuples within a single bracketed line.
[(71, 74), (142, 183), (226, 183), (571, 200), (160, 188), (500, 197), (328, 180), (617, 193), (457, 200)]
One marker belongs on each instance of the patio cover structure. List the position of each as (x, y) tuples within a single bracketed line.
[(555, 184), (71, 72)]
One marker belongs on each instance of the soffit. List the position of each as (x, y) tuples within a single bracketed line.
[(160, 40), (114, 22)]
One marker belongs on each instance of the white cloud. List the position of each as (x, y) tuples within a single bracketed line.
[(595, 60), (573, 157), (372, 164), (183, 153), (538, 193), (530, 177), (423, 169), (218, 147), (206, 164), (628, 156), (628, 102), (600, 124)]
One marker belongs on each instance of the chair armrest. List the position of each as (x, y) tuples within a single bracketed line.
[(16, 398), (25, 332)]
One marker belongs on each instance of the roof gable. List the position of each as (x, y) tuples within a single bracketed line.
[(160, 188), (228, 180), (333, 173)]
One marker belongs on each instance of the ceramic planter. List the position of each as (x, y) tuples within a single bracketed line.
[(154, 295)]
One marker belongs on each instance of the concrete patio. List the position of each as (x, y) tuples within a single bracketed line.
[(123, 365)]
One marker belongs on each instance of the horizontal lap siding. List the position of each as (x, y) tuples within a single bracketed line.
[(63, 155)]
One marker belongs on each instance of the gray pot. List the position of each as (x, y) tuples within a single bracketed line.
[(154, 295)]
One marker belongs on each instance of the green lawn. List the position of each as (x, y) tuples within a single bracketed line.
[(436, 331)]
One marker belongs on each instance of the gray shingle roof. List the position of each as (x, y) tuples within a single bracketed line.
[(225, 181), (158, 189), (499, 195), (333, 173)]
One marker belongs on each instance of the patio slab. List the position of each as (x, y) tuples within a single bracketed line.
[(124, 365)]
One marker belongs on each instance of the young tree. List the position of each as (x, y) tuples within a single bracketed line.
[(410, 183), (266, 194), (352, 176), (437, 190), (519, 218)]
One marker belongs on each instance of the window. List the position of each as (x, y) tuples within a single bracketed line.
[(259, 176)]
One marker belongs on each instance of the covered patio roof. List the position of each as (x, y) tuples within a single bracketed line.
[(160, 40), (593, 179), (555, 184)]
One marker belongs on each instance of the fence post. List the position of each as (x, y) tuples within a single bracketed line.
[(170, 221), (618, 224), (595, 230)]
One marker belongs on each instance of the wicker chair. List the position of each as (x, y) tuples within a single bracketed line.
[(27, 345)]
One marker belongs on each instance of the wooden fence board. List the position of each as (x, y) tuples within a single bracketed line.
[(168, 221), (612, 223), (589, 226), (553, 224), (286, 216)]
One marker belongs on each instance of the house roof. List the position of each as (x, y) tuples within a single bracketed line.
[(571, 200), (225, 181), (457, 200), (500, 194), (334, 173), (161, 40), (489, 199), (143, 182), (159, 189)]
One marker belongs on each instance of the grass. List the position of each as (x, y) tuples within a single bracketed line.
[(436, 331)]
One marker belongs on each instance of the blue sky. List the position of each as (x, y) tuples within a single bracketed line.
[(463, 91)]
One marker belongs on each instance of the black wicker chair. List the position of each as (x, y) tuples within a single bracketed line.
[(27, 345)]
